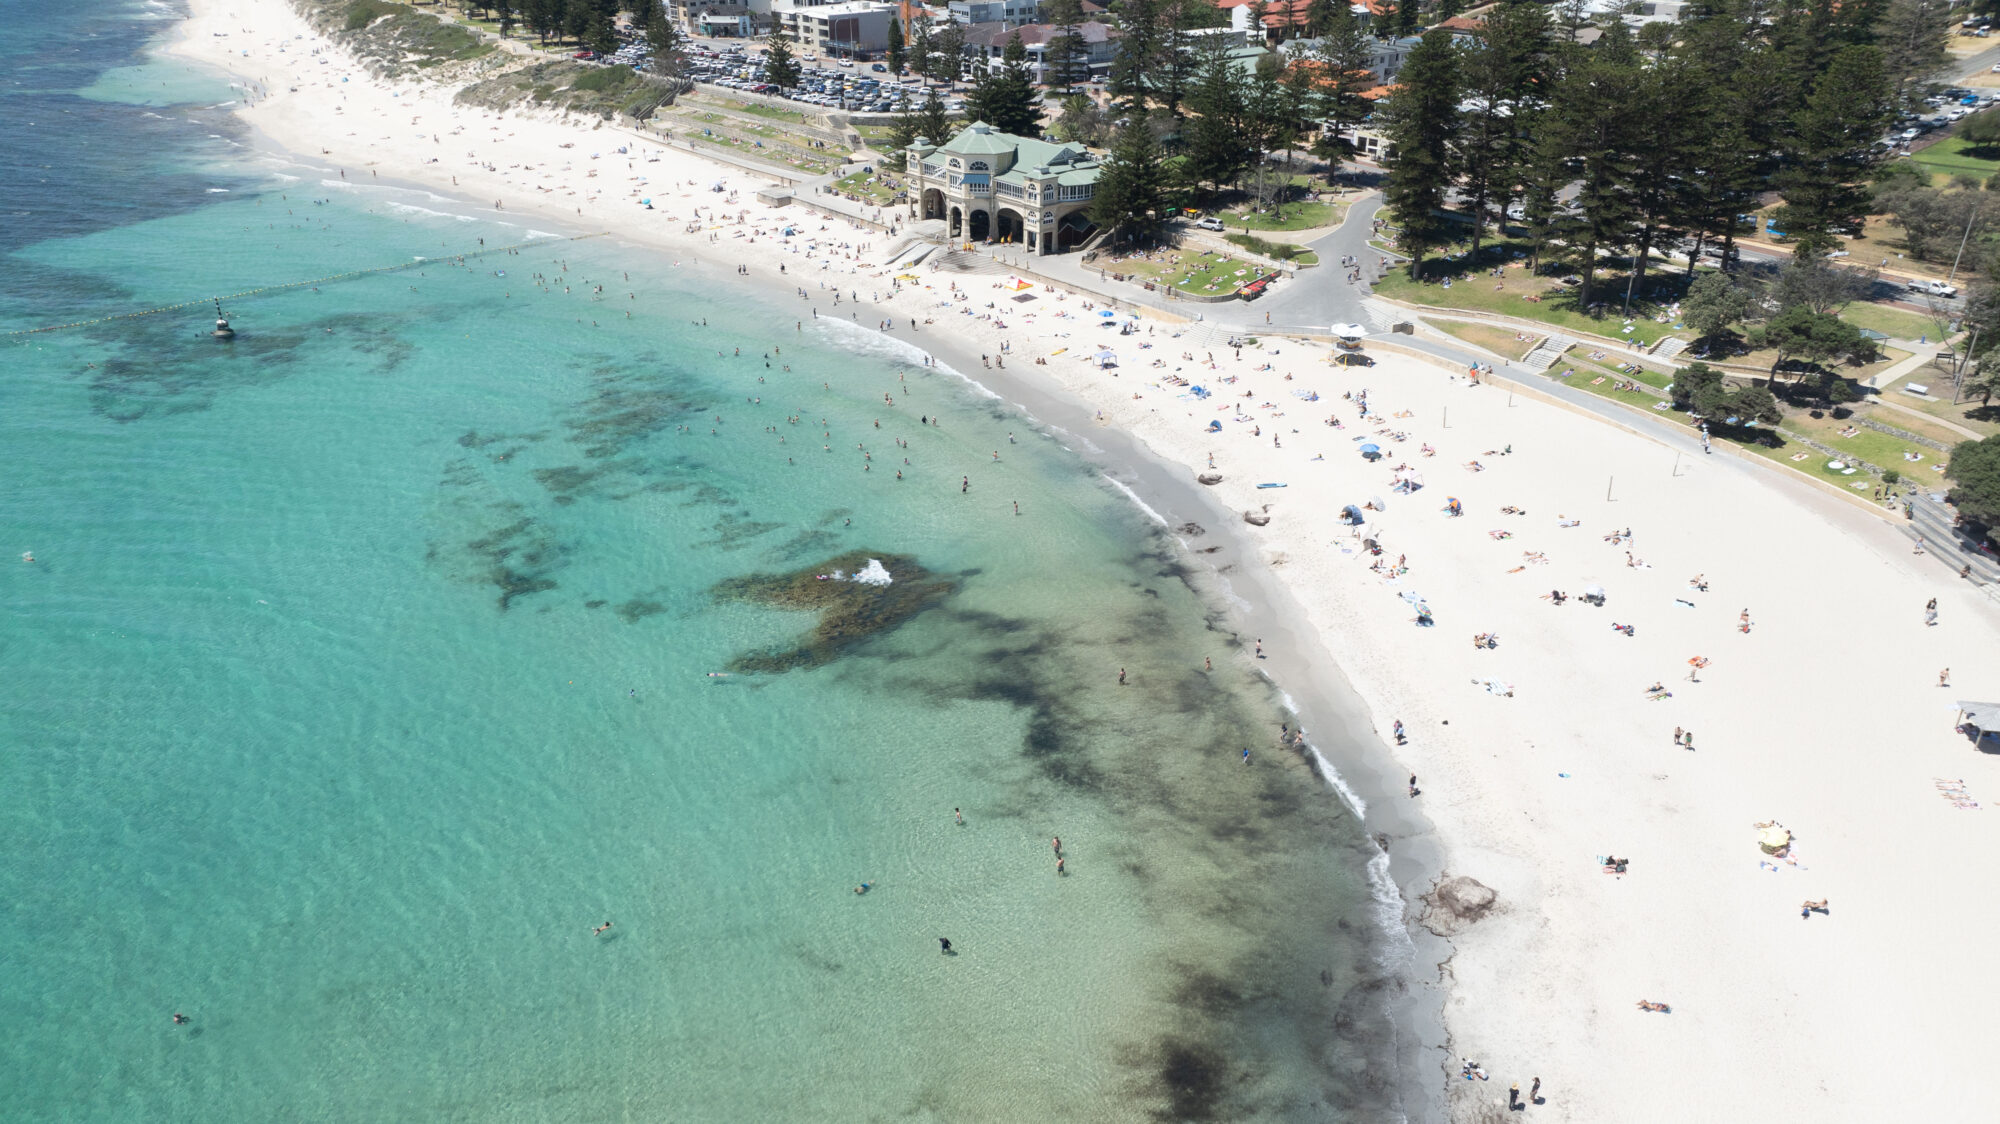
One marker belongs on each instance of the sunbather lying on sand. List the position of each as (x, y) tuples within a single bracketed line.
[(1649, 1005)]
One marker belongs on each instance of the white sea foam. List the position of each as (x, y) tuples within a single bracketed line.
[(217, 191), (873, 573), (1397, 950), (1142, 505)]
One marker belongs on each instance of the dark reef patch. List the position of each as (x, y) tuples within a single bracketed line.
[(850, 612), (1193, 1077)]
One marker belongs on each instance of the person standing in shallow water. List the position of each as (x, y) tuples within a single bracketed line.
[(944, 945)]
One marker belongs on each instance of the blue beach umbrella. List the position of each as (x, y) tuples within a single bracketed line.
[(1371, 448)]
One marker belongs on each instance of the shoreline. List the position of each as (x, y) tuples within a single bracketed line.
[(1351, 661)]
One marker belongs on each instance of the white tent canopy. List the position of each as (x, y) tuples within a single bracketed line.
[(1348, 331), (1984, 715)]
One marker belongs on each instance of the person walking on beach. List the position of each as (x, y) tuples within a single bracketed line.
[(1121, 677), (1535, 1092), (959, 816), (1246, 755), (1414, 790), (1207, 664), (1677, 735), (1687, 741), (1743, 622), (1514, 1094), (1930, 612), (1944, 678), (1396, 728)]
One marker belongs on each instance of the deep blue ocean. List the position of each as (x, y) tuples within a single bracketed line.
[(363, 669)]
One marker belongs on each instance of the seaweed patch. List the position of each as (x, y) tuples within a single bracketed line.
[(850, 611)]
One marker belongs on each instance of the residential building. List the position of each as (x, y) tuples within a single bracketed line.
[(840, 28), (990, 186), (995, 11), (719, 19), (986, 42)]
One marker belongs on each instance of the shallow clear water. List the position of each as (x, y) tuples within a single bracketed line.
[(363, 670)]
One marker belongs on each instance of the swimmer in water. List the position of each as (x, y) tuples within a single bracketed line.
[(863, 888), (180, 1019), (718, 675), (600, 929)]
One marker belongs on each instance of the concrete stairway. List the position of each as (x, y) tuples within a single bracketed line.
[(1932, 521), (1669, 347), (1547, 352)]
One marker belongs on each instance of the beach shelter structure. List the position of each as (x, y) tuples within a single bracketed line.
[(1980, 719)]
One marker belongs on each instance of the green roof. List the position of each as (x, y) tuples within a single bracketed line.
[(979, 139)]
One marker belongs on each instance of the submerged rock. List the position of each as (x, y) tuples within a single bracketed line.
[(857, 595)]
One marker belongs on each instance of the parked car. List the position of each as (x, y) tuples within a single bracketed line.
[(880, 69), (1208, 222), (1934, 288)]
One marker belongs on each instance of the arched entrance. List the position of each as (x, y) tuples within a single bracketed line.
[(933, 203), (956, 221), (1008, 225), (979, 227)]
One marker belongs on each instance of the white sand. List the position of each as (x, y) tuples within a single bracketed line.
[(1826, 716)]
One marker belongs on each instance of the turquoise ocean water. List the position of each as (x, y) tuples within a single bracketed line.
[(362, 672)]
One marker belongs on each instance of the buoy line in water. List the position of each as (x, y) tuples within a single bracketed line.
[(348, 276)]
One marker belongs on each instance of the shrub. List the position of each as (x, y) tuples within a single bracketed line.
[(361, 13), (601, 78), (1283, 251)]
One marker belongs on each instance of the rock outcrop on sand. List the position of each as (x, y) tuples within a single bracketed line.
[(1455, 902)]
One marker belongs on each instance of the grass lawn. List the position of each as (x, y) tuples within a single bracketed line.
[(1814, 463), (1297, 216), (1983, 420), (789, 116), (1948, 157), (1898, 323), (1869, 445), (1761, 360), (1512, 300), (866, 185), (1499, 341), (1880, 239), (1206, 274)]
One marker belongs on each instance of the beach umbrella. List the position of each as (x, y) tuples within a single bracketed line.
[(1377, 501), (1371, 447), (1774, 839), (1106, 313)]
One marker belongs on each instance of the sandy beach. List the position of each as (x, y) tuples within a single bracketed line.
[(1535, 757)]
